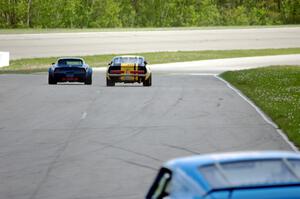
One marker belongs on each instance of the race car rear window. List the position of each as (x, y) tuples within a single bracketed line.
[(249, 173), (70, 62), (129, 60)]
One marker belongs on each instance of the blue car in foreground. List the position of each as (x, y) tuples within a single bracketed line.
[(70, 70), (244, 175)]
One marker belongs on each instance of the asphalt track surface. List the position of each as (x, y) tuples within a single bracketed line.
[(73, 141), (71, 44)]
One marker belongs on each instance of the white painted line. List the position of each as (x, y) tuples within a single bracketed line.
[(194, 74), (261, 113), (202, 74), (83, 116)]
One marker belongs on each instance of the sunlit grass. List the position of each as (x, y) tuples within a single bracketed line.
[(41, 64), (276, 90)]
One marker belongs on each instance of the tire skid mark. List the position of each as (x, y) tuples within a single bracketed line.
[(176, 103)]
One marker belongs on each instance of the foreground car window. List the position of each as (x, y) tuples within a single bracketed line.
[(296, 166), (213, 176), (248, 173)]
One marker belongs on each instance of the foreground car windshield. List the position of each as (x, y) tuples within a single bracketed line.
[(70, 62), (252, 173), (131, 60)]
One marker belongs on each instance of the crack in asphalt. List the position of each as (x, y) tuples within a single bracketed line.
[(59, 153), (182, 149), (134, 152), (137, 164), (113, 145), (52, 164)]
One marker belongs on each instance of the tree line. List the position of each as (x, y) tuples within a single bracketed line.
[(145, 13)]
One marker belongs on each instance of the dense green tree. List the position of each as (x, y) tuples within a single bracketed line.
[(291, 11), (208, 13), (105, 14), (145, 13)]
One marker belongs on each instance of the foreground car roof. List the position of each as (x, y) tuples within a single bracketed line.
[(196, 161), (191, 167)]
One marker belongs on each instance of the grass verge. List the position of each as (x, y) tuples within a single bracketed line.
[(41, 64), (276, 90)]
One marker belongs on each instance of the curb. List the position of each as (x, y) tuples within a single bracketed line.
[(260, 112)]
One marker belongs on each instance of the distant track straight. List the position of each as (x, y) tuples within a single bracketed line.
[(65, 44)]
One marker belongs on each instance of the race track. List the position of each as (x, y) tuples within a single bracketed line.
[(75, 141), (71, 44)]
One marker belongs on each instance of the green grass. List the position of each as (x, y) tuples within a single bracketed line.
[(70, 30), (276, 90), (41, 64)]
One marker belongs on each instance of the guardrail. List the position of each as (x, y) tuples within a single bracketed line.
[(4, 59)]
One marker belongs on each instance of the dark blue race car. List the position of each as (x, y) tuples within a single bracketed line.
[(70, 70), (247, 175)]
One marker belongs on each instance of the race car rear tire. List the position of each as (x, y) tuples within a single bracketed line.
[(109, 82), (51, 80), (148, 82), (88, 80)]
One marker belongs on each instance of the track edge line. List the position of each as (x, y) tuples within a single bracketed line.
[(260, 112)]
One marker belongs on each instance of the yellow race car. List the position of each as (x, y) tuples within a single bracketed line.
[(128, 69)]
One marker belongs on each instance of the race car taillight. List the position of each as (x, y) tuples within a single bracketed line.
[(137, 72), (116, 71)]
